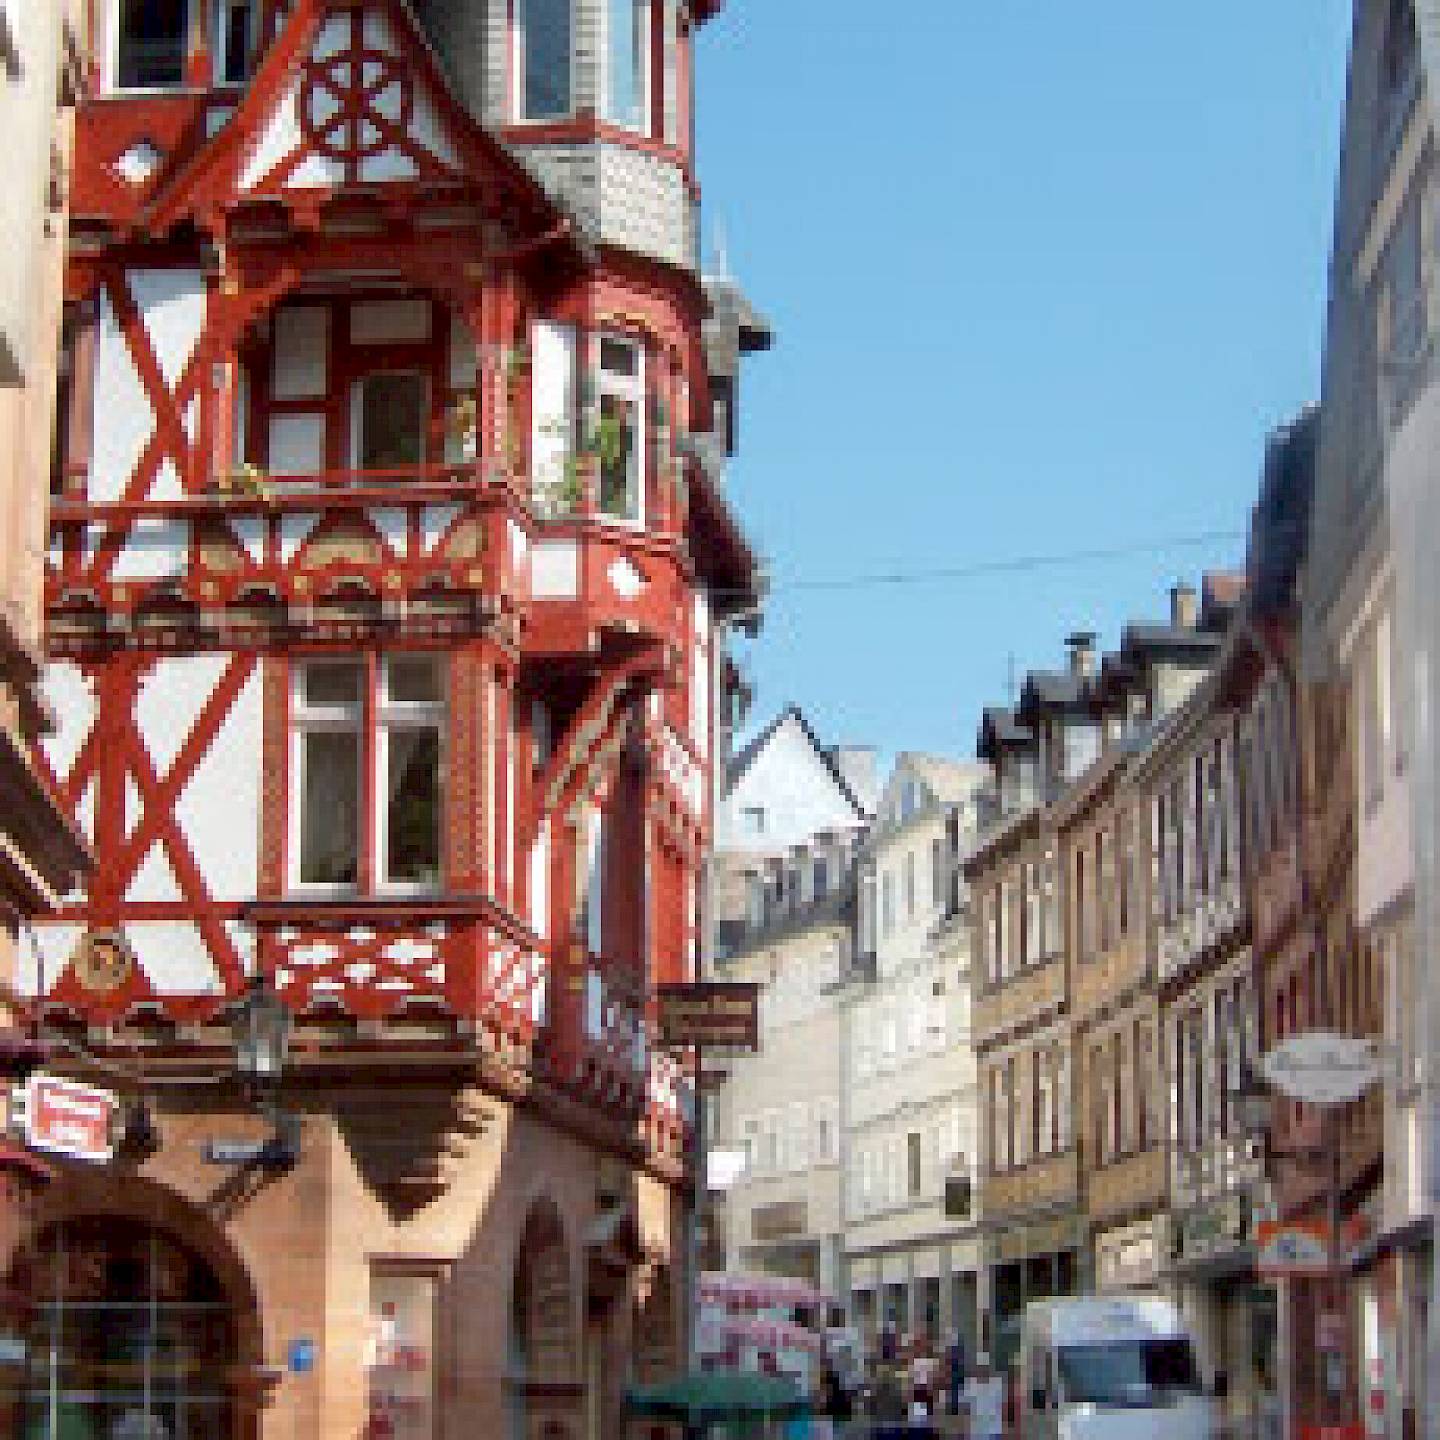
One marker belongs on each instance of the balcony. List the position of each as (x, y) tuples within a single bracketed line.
[(1049, 1184), (428, 548), (1014, 1003)]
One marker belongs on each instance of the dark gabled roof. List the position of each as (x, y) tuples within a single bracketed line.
[(1057, 689), (1000, 730), (1168, 641), (743, 758)]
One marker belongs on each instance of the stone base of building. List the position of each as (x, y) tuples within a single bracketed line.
[(438, 1262)]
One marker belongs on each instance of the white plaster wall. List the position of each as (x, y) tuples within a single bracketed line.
[(169, 701), (172, 304), (555, 570), (71, 696), (797, 790), (219, 809), (124, 417)]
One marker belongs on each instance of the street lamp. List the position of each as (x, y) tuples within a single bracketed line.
[(260, 1029)]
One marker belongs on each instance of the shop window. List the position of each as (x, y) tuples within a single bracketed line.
[(542, 58), (388, 421), (151, 41), (133, 1334), (619, 430), (346, 799)]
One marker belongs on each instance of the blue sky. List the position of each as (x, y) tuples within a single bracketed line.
[(1042, 277)]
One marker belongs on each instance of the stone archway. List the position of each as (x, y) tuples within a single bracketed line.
[(134, 1333), (544, 1386)]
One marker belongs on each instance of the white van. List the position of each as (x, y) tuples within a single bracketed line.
[(1109, 1369)]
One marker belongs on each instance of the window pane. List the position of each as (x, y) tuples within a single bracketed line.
[(413, 679), (619, 357), (332, 684), (412, 828), (330, 809), (392, 421), (152, 42), (546, 45), (619, 461), (629, 20), (236, 20)]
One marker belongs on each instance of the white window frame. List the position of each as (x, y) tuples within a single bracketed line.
[(392, 715), (385, 715), (338, 718), (518, 51), (630, 388)]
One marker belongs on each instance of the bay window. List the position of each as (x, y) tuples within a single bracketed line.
[(360, 811), (543, 43)]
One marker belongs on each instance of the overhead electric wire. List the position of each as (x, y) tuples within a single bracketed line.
[(1008, 565)]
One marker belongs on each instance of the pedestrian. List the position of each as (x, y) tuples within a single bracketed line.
[(834, 1411), (922, 1376), (889, 1405), (921, 1426), (985, 1401), (954, 1373)]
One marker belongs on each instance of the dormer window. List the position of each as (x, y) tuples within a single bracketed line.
[(543, 44)]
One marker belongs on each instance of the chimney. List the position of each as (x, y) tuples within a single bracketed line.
[(1082, 654), (1184, 606)]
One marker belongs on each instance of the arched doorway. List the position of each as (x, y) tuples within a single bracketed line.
[(133, 1336), (543, 1385)]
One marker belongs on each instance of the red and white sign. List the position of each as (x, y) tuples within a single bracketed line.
[(66, 1118), (1293, 1247)]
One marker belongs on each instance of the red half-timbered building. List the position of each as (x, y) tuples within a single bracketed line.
[(386, 593)]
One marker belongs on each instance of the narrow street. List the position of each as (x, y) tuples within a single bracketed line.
[(717, 719)]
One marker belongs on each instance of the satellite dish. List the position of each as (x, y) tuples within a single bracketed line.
[(1321, 1068)]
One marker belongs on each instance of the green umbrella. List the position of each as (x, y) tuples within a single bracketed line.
[(719, 1397)]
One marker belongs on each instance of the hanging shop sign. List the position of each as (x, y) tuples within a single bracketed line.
[(1210, 1230), (64, 1117), (1292, 1247), (1128, 1256), (711, 1014), (1319, 1068)]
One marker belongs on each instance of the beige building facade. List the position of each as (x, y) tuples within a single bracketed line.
[(912, 1244)]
